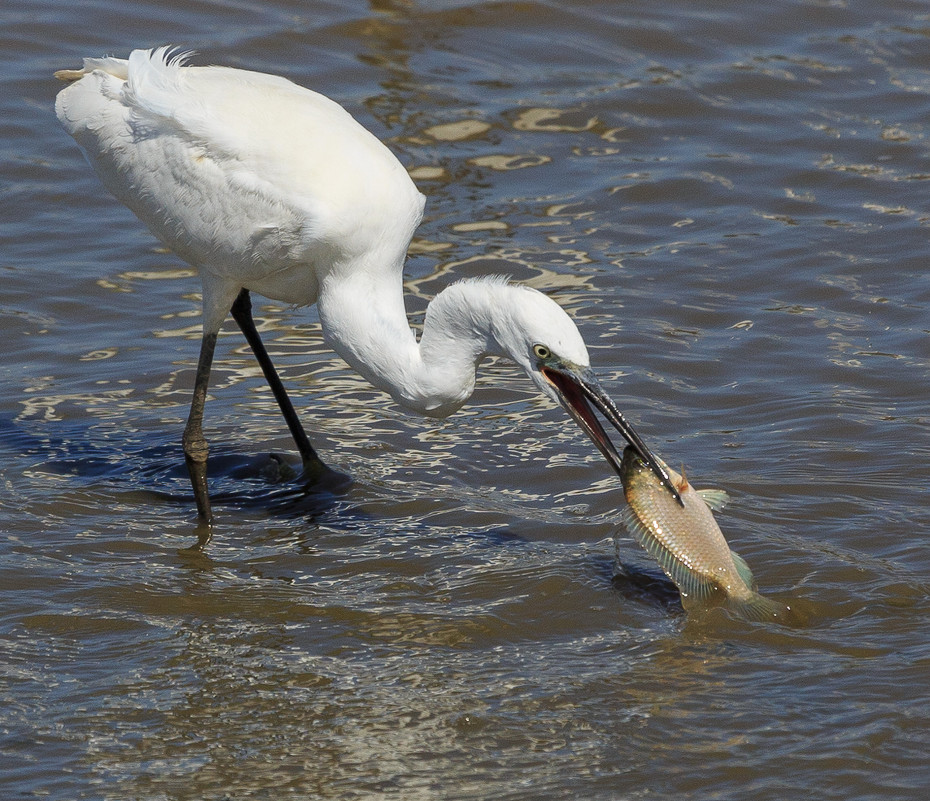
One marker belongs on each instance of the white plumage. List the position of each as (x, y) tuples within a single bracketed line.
[(266, 186)]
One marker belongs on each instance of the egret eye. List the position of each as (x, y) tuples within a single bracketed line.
[(541, 351)]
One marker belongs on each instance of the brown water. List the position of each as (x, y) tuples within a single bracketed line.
[(730, 198)]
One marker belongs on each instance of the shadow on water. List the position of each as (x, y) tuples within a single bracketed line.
[(90, 457), (648, 586), (78, 452)]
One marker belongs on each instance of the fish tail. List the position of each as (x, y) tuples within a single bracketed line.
[(759, 609)]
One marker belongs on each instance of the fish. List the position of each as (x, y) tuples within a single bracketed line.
[(689, 545)]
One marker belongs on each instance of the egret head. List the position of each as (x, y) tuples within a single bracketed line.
[(543, 340)]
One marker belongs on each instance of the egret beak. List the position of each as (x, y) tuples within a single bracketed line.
[(577, 389)]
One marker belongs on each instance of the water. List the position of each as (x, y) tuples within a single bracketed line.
[(729, 198)]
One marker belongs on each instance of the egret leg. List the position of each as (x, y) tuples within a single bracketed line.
[(195, 445), (314, 468)]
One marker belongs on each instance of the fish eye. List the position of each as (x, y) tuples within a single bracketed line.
[(541, 351)]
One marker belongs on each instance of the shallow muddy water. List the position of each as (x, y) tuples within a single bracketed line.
[(730, 199)]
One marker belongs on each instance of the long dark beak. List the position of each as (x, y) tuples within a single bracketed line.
[(576, 388)]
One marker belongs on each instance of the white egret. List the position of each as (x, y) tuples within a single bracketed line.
[(265, 186)]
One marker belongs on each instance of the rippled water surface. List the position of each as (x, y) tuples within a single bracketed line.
[(731, 200)]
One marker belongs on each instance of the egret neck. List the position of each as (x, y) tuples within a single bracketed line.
[(366, 324)]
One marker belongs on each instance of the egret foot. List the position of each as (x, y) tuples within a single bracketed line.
[(204, 533), (319, 476), (276, 468), (270, 467)]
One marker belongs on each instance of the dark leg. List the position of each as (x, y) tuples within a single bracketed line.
[(195, 446), (314, 469)]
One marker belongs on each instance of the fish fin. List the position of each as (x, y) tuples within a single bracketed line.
[(693, 588), (716, 499), (639, 532), (743, 570), (762, 610)]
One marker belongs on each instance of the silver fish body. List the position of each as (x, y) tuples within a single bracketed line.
[(688, 544)]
